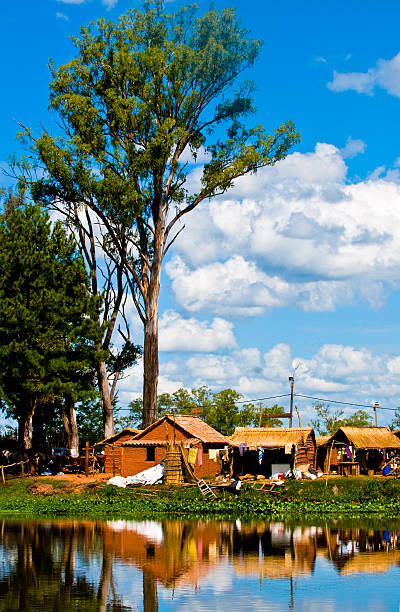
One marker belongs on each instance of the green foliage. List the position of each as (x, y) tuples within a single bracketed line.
[(328, 421), (395, 424), (138, 96), (89, 417), (220, 409), (343, 497), (46, 333)]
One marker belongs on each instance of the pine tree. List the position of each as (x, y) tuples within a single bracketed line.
[(46, 330)]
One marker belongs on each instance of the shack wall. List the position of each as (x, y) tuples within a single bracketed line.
[(134, 459), (109, 462), (306, 452)]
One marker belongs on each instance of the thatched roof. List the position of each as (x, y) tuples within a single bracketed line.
[(367, 437), (371, 562), (322, 440), (270, 437)]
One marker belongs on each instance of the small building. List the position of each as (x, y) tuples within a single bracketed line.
[(112, 449), (355, 450), (323, 450), (268, 450), (149, 447)]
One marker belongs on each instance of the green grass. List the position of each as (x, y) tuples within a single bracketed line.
[(346, 497)]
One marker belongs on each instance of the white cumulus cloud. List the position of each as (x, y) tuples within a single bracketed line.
[(296, 234), (179, 334), (386, 75)]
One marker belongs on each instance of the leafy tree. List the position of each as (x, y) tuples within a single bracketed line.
[(395, 424), (46, 330), (327, 422), (219, 409), (139, 95), (90, 421)]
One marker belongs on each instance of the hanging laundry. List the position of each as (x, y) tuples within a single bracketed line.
[(260, 454), (192, 456), (349, 452), (242, 448), (200, 457), (212, 453)]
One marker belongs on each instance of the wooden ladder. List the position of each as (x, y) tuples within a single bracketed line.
[(205, 489)]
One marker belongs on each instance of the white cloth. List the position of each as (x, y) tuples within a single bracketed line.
[(150, 476)]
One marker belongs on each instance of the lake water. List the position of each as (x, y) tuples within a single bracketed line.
[(193, 566)]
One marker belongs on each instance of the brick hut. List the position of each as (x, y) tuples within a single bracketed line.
[(149, 447), (112, 449), (268, 450)]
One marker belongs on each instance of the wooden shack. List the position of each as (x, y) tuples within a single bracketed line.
[(112, 449), (360, 450), (323, 450), (268, 450), (196, 437)]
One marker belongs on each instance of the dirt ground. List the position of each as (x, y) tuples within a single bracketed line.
[(77, 478)]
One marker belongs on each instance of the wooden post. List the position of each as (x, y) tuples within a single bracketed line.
[(2, 475), (329, 464), (113, 457), (22, 469), (298, 414), (261, 414), (87, 459)]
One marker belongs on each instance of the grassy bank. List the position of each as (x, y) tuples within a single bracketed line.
[(345, 497)]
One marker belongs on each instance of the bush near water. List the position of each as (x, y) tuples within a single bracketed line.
[(336, 498)]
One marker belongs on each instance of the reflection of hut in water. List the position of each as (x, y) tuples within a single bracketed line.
[(360, 551), (278, 552), (268, 450), (354, 450), (173, 553)]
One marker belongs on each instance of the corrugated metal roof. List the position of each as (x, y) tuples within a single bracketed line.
[(192, 425), (144, 442), (270, 437), (369, 437)]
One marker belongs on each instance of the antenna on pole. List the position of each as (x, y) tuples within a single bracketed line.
[(376, 405), (291, 380)]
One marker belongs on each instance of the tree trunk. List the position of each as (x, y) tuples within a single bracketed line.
[(150, 352), (68, 415), (150, 597), (25, 427), (150, 374), (105, 579), (108, 411)]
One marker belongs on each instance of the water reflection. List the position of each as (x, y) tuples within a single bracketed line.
[(125, 565)]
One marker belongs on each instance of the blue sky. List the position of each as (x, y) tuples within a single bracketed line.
[(299, 265)]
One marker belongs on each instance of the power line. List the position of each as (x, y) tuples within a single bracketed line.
[(246, 401), (332, 401), (318, 399)]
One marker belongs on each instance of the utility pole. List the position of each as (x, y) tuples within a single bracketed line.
[(260, 417), (298, 415), (291, 380), (376, 405)]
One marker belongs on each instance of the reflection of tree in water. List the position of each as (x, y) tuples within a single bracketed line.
[(360, 550), (40, 571)]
